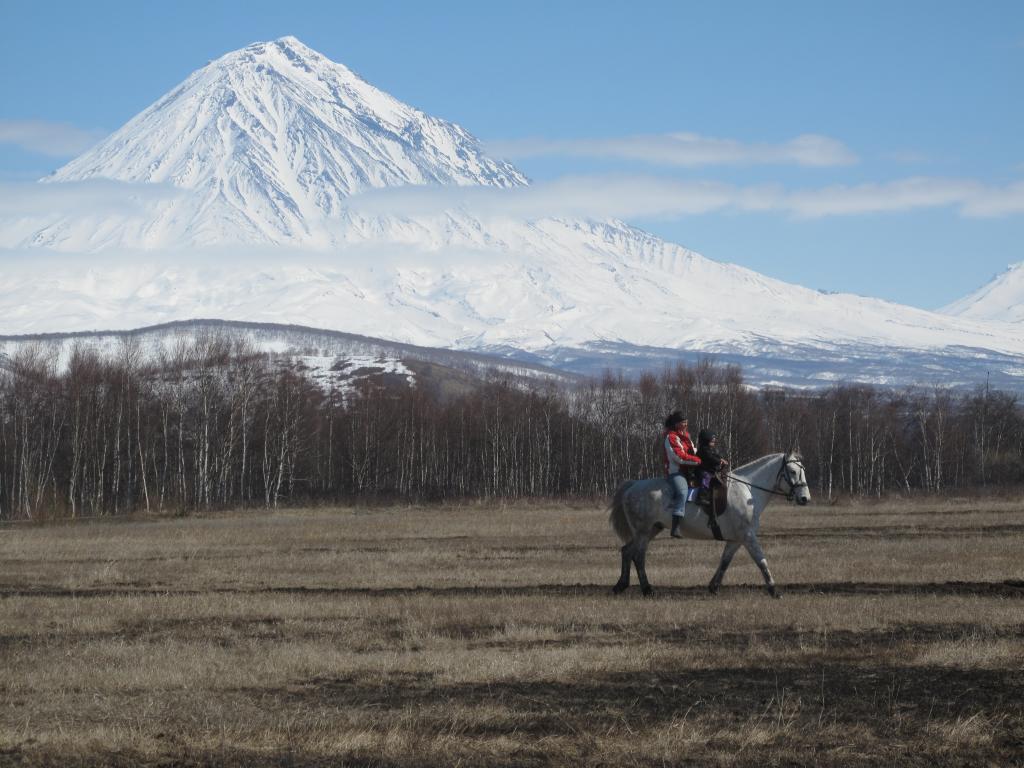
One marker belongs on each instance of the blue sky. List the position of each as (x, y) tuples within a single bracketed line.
[(903, 90)]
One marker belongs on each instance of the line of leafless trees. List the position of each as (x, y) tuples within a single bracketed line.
[(214, 424)]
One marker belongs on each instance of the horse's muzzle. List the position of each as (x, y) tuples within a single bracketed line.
[(802, 501)]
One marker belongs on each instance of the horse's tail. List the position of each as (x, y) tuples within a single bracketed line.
[(618, 518)]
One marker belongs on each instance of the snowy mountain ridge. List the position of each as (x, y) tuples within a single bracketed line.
[(266, 147)]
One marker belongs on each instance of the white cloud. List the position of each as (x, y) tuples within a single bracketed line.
[(79, 198), (47, 138), (997, 202), (595, 196), (686, 149), (631, 197), (25, 207), (900, 195)]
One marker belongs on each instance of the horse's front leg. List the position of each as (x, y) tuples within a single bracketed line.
[(627, 561), (731, 548), (757, 555)]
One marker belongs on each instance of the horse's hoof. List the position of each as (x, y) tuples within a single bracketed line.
[(774, 592), (648, 591), (619, 588), (714, 588)]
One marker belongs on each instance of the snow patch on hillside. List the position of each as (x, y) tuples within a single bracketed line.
[(344, 375)]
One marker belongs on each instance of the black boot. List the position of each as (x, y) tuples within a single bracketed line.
[(676, 520)]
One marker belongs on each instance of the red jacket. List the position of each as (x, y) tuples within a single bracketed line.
[(679, 451)]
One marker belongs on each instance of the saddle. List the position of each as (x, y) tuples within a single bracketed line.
[(714, 501)]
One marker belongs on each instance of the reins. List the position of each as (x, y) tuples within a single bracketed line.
[(792, 486), (758, 487)]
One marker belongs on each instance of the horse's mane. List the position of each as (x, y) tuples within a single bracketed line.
[(756, 464)]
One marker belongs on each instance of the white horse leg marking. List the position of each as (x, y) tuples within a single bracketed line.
[(768, 580), (731, 548), (757, 555)]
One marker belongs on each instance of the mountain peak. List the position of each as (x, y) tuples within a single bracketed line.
[(289, 46), (1001, 299), (293, 41), (289, 59), (273, 137)]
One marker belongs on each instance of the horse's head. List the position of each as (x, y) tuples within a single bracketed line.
[(793, 479)]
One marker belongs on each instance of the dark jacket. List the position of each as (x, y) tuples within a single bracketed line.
[(710, 459)]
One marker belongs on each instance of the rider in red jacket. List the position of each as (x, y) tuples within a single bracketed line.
[(680, 458)]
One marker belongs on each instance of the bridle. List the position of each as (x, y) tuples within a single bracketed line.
[(782, 475)]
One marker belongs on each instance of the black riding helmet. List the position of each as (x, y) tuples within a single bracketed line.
[(706, 436)]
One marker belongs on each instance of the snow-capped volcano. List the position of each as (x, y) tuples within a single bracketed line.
[(256, 162), (269, 140)]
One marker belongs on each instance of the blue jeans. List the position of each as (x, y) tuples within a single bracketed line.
[(679, 489)]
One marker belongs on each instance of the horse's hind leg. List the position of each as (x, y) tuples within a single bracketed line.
[(640, 560), (731, 548), (757, 555), (627, 561)]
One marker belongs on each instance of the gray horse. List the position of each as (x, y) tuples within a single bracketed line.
[(641, 510)]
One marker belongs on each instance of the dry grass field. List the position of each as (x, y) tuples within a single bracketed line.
[(488, 636)]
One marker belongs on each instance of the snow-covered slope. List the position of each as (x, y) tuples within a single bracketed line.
[(552, 284), (264, 149), (269, 140), (1000, 300)]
